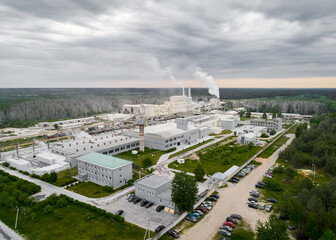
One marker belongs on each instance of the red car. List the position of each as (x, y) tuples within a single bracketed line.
[(270, 174), (230, 224), (202, 209)]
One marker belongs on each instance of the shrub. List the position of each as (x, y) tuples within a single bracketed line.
[(273, 184), (108, 189), (5, 164)]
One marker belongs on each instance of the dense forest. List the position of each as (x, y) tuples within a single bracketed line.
[(316, 145), (310, 207), (26, 107)]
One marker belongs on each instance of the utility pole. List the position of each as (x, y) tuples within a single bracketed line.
[(314, 169), (17, 215)]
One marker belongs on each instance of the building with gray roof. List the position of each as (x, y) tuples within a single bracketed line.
[(104, 170), (156, 189)]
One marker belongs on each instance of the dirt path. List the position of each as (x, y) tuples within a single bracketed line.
[(233, 200)]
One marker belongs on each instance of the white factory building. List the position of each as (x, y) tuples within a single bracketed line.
[(247, 138), (273, 124), (40, 163), (169, 135), (176, 104), (104, 170), (258, 131), (67, 124), (105, 143)]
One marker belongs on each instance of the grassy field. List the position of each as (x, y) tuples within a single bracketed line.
[(275, 146), (152, 154), (90, 189), (242, 231), (188, 166), (221, 158), (226, 131), (218, 158), (64, 177), (190, 148), (50, 220)]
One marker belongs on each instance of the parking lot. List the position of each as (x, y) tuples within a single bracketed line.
[(138, 215), (234, 200)]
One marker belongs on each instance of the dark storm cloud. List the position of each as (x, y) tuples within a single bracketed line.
[(44, 42)]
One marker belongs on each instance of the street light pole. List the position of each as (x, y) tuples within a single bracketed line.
[(17, 215)]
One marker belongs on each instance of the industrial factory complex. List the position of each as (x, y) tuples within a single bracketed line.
[(91, 143)]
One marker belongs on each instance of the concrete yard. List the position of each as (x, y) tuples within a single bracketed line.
[(138, 215)]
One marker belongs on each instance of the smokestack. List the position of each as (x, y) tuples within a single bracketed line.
[(189, 95), (182, 91), (141, 135), (17, 148)]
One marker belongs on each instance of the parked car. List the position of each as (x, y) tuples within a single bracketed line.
[(268, 173), (225, 233), (215, 196), (191, 219), (254, 191), (206, 206), (230, 219), (137, 200), (268, 176), (236, 216), (173, 233), (259, 186), (202, 209), (149, 204), (262, 206), (254, 194), (224, 238), (253, 205), (268, 208), (226, 227), (129, 196), (272, 200), (159, 208), (195, 215), (261, 183), (236, 178), (251, 199), (119, 212), (208, 202), (159, 228), (230, 224), (199, 211), (212, 199), (233, 180), (143, 202)]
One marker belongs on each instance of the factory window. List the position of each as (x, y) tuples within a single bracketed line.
[(174, 138), (120, 181), (128, 146), (105, 153), (120, 169), (111, 151), (110, 177), (120, 175), (166, 141)]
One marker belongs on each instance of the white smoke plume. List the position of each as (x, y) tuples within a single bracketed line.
[(207, 80), (168, 71)]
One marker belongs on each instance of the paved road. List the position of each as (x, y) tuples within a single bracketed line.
[(8, 234), (233, 200)]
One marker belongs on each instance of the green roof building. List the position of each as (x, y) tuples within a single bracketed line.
[(104, 170)]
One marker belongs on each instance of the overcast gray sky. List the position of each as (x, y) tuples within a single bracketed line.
[(85, 43)]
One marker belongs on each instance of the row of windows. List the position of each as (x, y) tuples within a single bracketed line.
[(172, 139), (143, 190)]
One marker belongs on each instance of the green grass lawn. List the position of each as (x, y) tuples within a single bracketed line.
[(69, 221), (218, 158), (221, 158), (275, 146), (226, 131), (137, 159), (293, 129), (190, 148), (242, 231), (64, 177), (188, 166), (90, 189)]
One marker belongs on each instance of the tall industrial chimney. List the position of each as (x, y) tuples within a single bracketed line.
[(183, 91), (189, 95), (141, 134)]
